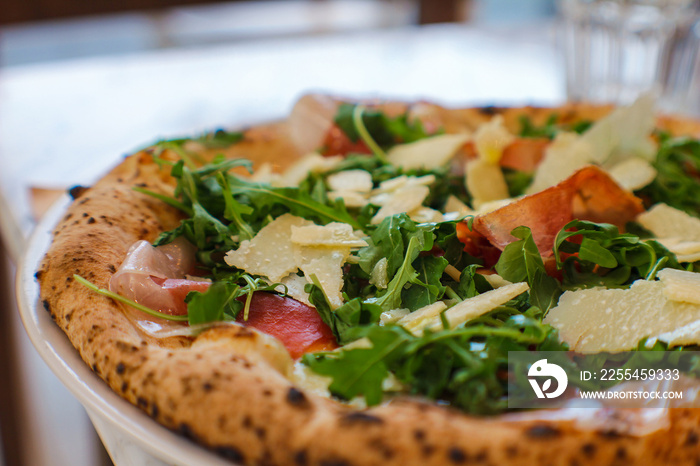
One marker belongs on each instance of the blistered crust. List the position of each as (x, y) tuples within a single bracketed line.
[(243, 408)]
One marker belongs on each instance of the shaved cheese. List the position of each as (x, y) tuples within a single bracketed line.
[(379, 277), (270, 252), (667, 222), (428, 153), (595, 320), (404, 199), (350, 198), (633, 173), (681, 285), (394, 184), (419, 319), (326, 264), (624, 132), (491, 138), (392, 316), (351, 180), (485, 182), (295, 288), (334, 234), (478, 305), (486, 207), (566, 154), (265, 174), (425, 215), (496, 280), (311, 163), (685, 251), (686, 335), (453, 204)]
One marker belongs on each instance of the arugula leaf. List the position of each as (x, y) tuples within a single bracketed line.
[(598, 254), (361, 371), (463, 367), (219, 302), (677, 182), (472, 283), (521, 261), (293, 200), (550, 128), (384, 131), (429, 271)]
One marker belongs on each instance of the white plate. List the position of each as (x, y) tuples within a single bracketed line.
[(130, 436)]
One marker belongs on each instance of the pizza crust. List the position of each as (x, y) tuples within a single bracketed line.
[(239, 403)]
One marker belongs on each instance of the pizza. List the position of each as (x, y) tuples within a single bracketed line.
[(342, 287)]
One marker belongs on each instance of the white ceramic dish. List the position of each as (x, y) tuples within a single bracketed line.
[(130, 436)]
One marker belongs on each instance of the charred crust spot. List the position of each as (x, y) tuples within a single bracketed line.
[(490, 110), (112, 268), (47, 306), (511, 451), (609, 435), (427, 450), (482, 456), (76, 191), (301, 458), (542, 431), (456, 455), (247, 422), (69, 316), (588, 449), (621, 453), (38, 274), (334, 462), (297, 398), (142, 402), (154, 411), (125, 386), (358, 417), (95, 369), (267, 393), (207, 387), (231, 454), (186, 431), (692, 438), (125, 347), (419, 435), (120, 368), (260, 432)]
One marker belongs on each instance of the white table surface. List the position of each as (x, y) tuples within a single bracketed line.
[(65, 123)]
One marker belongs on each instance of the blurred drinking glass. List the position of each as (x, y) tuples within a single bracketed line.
[(616, 49)]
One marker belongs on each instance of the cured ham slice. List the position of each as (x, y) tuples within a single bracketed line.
[(155, 276), (589, 194), (296, 325)]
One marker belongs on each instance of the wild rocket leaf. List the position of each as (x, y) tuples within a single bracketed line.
[(384, 131), (597, 254), (521, 261), (218, 302)]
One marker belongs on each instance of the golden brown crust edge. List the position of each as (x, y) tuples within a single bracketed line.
[(245, 410)]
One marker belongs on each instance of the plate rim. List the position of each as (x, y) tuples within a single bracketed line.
[(58, 353)]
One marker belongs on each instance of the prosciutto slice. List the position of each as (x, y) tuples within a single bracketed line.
[(155, 276), (588, 194)]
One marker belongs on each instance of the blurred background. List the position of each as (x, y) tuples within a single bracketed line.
[(35, 31)]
